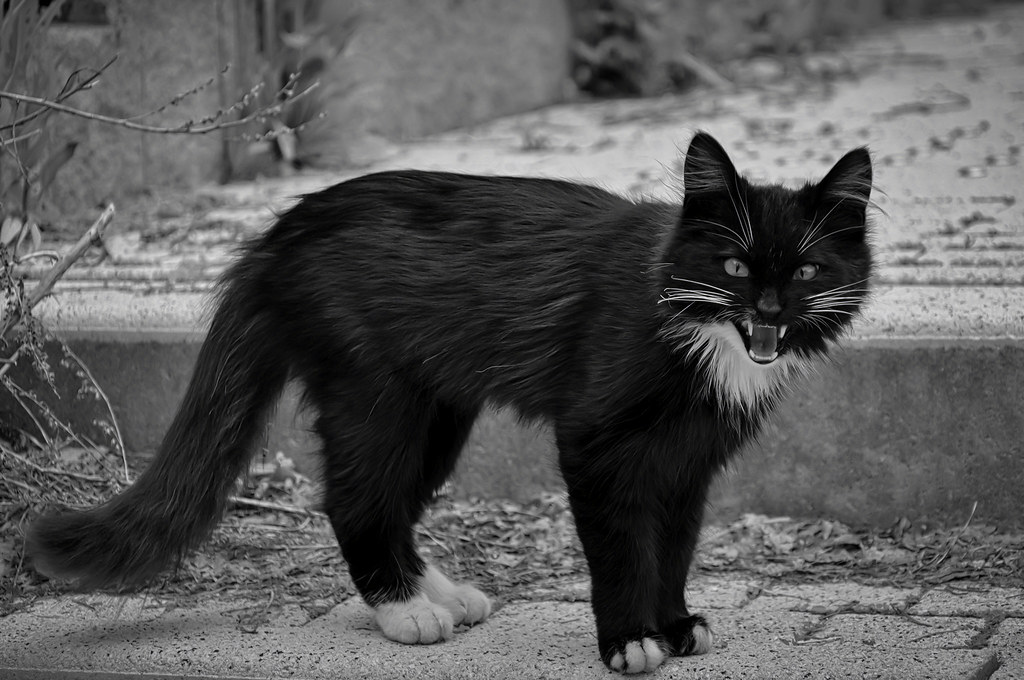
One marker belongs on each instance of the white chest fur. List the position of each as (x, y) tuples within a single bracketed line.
[(736, 379)]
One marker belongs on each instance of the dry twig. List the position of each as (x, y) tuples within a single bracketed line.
[(278, 507), (211, 124), (49, 470), (93, 235)]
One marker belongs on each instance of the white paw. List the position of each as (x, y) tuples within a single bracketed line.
[(416, 621), (638, 657), (466, 604), (703, 640)]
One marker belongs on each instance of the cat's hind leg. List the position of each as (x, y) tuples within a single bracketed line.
[(447, 432), (433, 613), (467, 605), (386, 451)]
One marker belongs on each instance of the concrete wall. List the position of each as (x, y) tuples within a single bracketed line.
[(412, 68), (418, 67), (163, 49)]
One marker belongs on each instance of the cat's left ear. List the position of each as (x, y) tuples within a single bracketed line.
[(707, 168), (847, 186)]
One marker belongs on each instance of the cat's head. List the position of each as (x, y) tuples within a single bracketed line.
[(775, 274)]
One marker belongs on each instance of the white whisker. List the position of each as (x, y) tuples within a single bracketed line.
[(831, 233), (735, 237), (832, 310), (682, 296), (846, 288), (704, 283), (745, 226), (849, 299), (814, 228), (746, 213)]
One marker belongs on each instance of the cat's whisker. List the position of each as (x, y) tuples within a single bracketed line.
[(702, 283), (815, 228), (745, 226), (746, 213), (843, 301), (734, 237), (847, 288), (822, 324), (831, 233), (835, 300), (834, 310), (683, 297), (849, 294), (693, 293)]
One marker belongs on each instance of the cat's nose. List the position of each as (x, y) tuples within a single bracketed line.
[(768, 304)]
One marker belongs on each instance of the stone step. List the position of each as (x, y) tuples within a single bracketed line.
[(919, 416)]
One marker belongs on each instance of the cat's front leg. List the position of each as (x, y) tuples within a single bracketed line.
[(684, 632), (689, 634), (616, 522)]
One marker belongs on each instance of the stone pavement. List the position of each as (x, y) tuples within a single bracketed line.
[(937, 356), (814, 630)]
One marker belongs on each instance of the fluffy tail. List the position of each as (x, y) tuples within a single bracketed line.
[(178, 500)]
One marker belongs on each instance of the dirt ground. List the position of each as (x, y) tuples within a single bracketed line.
[(275, 547)]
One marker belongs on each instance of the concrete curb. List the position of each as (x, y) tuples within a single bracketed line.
[(918, 417)]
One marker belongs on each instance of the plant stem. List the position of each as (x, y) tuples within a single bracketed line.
[(279, 507), (49, 470), (93, 235), (184, 128), (110, 410)]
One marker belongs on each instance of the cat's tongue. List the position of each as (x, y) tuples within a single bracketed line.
[(764, 343)]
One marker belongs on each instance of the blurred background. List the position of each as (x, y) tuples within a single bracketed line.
[(386, 71)]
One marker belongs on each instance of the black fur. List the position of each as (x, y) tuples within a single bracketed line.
[(406, 301)]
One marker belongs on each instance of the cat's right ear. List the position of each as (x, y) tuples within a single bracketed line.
[(707, 169)]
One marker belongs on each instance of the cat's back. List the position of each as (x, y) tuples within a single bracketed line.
[(492, 281), (481, 207), (434, 227)]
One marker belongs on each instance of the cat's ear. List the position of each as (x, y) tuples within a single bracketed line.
[(707, 168), (847, 186)]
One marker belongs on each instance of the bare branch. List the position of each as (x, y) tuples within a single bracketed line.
[(185, 128), (110, 409), (65, 94), (49, 470), (7, 143), (267, 505), (93, 235)]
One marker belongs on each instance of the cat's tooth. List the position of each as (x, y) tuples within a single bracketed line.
[(749, 326), (782, 331)]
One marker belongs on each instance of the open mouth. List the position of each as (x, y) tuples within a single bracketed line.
[(762, 342)]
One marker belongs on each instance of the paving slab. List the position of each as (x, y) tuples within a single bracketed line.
[(955, 600), (120, 636), (834, 598), (1008, 641)]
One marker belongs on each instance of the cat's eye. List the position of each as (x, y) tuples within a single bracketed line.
[(736, 267), (806, 272)]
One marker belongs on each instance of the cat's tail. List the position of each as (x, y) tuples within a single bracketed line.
[(178, 500)]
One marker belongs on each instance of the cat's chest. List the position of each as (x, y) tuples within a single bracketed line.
[(739, 384)]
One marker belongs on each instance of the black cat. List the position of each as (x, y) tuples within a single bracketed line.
[(654, 337)]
